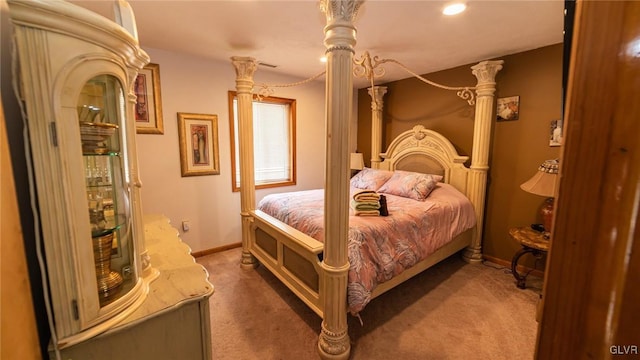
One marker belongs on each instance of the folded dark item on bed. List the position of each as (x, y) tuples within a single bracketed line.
[(383, 206), (380, 248)]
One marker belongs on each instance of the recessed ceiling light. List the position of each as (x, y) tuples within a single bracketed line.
[(323, 59), (454, 9)]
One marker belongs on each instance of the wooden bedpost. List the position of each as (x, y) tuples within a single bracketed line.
[(376, 93), (245, 67), (340, 38), (485, 72)]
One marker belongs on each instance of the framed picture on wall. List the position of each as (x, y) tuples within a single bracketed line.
[(198, 137), (508, 108), (555, 136), (149, 103)]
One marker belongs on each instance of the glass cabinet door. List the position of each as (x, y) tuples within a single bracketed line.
[(101, 112)]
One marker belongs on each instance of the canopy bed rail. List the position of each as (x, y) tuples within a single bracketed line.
[(317, 271)]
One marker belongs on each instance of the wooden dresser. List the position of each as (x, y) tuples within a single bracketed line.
[(173, 322)]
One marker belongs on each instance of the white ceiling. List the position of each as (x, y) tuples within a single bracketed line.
[(290, 34)]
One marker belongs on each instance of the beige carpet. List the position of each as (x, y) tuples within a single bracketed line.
[(451, 311)]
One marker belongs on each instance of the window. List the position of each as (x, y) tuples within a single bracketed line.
[(274, 141)]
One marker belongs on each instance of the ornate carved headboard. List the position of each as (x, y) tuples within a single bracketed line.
[(426, 151)]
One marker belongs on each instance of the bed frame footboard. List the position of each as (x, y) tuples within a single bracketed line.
[(294, 257)]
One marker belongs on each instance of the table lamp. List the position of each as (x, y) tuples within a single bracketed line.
[(543, 183), (357, 162)]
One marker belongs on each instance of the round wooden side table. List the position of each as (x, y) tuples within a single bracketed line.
[(533, 242)]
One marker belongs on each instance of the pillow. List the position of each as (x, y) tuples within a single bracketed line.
[(370, 179), (411, 185)]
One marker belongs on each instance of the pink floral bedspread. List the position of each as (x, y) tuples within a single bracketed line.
[(380, 247)]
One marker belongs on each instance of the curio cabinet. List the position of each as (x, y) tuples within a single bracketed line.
[(73, 74)]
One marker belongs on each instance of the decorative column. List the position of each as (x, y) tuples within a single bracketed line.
[(340, 38), (124, 17), (135, 184), (245, 67), (376, 93), (485, 72)]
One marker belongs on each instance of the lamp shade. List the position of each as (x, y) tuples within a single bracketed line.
[(543, 182), (357, 161)]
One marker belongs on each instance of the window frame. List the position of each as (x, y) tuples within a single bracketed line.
[(232, 95)]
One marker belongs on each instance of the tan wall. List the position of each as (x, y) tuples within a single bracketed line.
[(411, 102), (517, 148)]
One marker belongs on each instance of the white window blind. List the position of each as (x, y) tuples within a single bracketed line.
[(272, 141)]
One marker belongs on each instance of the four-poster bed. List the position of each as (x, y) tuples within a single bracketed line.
[(316, 271)]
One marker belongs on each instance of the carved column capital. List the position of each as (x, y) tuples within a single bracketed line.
[(245, 68), (340, 33), (377, 94), (340, 10), (485, 72)]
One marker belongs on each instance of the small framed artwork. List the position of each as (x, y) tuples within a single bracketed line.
[(198, 136), (508, 108), (149, 102), (555, 137)]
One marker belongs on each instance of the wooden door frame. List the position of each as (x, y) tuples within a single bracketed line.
[(591, 295)]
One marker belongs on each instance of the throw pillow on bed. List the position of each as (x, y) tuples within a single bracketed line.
[(370, 179), (411, 185)]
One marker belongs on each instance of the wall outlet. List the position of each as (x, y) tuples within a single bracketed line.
[(185, 225)]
